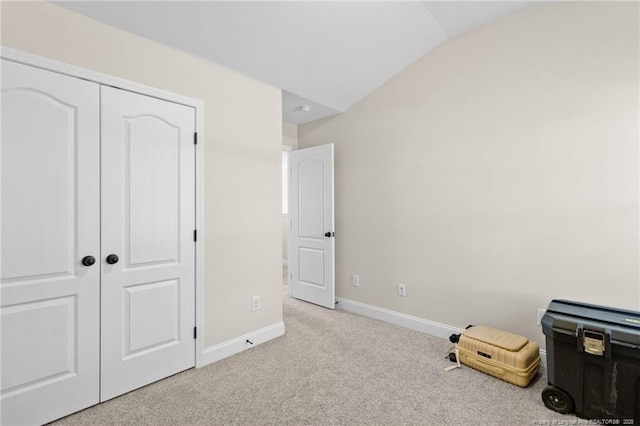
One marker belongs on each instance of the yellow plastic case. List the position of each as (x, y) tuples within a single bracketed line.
[(507, 356)]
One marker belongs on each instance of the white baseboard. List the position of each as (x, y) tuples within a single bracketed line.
[(408, 321), (239, 344), (397, 318), (285, 263)]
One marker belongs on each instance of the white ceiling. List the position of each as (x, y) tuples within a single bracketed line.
[(325, 54)]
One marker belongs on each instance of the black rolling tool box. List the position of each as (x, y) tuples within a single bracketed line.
[(593, 361)]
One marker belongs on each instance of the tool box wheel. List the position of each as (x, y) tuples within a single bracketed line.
[(557, 400)]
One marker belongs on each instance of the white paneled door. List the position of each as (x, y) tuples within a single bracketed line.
[(97, 289), (50, 308), (148, 222), (311, 251)]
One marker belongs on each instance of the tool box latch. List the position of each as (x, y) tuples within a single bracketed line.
[(593, 342)]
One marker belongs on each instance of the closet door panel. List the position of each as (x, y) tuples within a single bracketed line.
[(49, 309), (153, 211), (148, 203)]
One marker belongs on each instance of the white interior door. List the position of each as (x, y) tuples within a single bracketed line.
[(311, 251), (148, 222), (49, 309)]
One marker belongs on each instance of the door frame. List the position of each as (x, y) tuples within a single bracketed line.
[(288, 150), (25, 58)]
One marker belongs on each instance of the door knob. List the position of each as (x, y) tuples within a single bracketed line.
[(329, 234), (112, 258), (88, 260)]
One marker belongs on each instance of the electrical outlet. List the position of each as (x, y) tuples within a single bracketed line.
[(355, 280), (255, 303), (540, 315), (402, 290)]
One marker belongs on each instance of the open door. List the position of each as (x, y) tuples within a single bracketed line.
[(311, 234)]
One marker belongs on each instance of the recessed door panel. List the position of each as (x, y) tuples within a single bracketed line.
[(311, 198), (153, 208), (47, 173), (151, 316), (50, 220), (57, 334), (148, 202), (311, 266)]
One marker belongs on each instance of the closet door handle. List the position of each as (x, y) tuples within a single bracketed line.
[(112, 258), (88, 260)]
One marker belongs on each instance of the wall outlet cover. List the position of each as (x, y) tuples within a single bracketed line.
[(355, 280)]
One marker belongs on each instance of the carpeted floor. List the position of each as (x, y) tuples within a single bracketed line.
[(331, 368)]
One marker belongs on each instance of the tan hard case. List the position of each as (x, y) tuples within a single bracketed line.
[(507, 356)]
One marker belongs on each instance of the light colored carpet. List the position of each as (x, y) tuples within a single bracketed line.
[(331, 368)]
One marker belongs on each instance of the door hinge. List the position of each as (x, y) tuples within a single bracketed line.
[(195, 332), (195, 235), (195, 138)]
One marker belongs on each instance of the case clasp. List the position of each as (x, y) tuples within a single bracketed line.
[(593, 342)]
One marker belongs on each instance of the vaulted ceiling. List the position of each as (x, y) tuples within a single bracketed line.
[(324, 54)]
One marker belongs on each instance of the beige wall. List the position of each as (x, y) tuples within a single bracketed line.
[(496, 173), (290, 135), (243, 139)]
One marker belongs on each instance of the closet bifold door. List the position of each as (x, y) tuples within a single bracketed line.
[(148, 217), (49, 287)]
